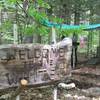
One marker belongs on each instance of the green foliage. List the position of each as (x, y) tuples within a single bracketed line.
[(56, 19), (38, 16), (8, 36), (6, 26), (43, 31), (28, 30), (68, 32), (43, 4), (14, 1), (35, 29), (36, 12)]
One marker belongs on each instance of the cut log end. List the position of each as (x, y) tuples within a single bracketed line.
[(24, 82)]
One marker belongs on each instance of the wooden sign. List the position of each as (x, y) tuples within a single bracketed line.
[(36, 63)]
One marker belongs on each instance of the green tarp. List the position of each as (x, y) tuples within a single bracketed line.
[(68, 27)]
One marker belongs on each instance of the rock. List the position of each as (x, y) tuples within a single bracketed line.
[(66, 86), (40, 96), (4, 96), (75, 97), (83, 98), (68, 97)]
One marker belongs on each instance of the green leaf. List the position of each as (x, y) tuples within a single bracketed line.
[(43, 4)]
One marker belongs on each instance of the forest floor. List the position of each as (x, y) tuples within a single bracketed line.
[(47, 94)]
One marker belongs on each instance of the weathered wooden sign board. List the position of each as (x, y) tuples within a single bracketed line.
[(36, 63)]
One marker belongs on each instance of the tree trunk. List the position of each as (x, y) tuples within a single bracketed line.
[(76, 17), (28, 39), (39, 38), (0, 39), (0, 28), (75, 37)]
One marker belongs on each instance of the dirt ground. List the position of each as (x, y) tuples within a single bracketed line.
[(63, 94), (47, 94)]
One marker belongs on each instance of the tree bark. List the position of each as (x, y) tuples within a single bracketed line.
[(39, 38)]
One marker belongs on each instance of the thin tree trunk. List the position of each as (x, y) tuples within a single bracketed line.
[(39, 38), (76, 17), (75, 37), (0, 28), (99, 38)]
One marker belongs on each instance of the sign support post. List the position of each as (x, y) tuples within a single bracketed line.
[(55, 94), (18, 97), (53, 36), (15, 33)]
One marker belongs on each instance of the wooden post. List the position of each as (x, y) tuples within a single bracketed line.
[(55, 94), (15, 33), (99, 39), (53, 36), (15, 42), (18, 97), (73, 57)]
